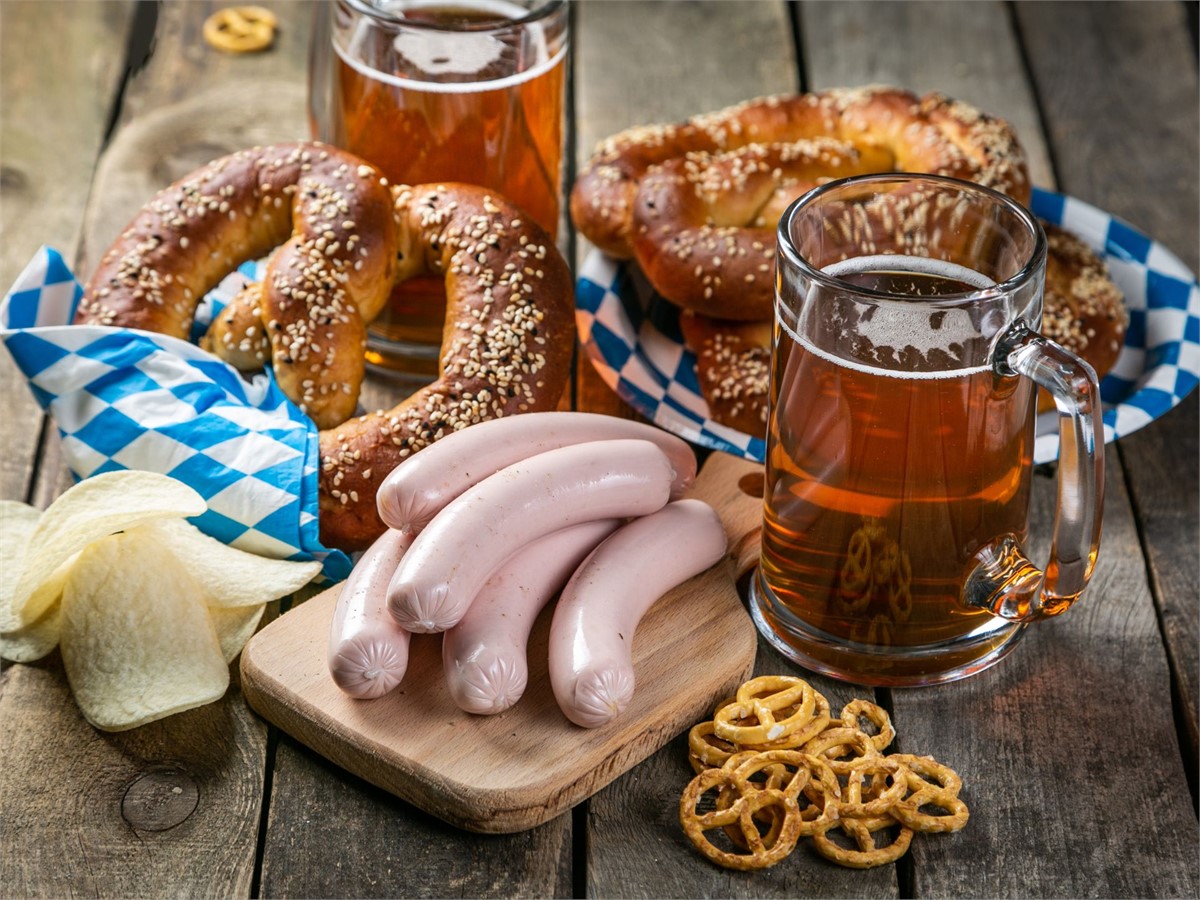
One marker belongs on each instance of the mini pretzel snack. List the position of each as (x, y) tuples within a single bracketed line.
[(772, 766), (240, 29)]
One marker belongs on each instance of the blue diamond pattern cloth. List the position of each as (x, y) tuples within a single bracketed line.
[(129, 399), (632, 337)]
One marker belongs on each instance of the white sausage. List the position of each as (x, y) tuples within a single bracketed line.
[(484, 655), (418, 488), (468, 540), (591, 634), (368, 651)]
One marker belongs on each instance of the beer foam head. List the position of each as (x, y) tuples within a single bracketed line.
[(900, 336), (445, 53)]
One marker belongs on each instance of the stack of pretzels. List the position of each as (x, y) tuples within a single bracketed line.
[(773, 766), (695, 204), (339, 237)]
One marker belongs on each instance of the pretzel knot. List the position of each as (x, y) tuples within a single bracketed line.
[(855, 710), (739, 812), (705, 749), (806, 778), (758, 700), (240, 29), (841, 748), (930, 785)]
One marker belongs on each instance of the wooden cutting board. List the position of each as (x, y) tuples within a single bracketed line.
[(512, 771)]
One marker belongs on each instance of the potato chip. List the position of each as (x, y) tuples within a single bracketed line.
[(228, 576), (94, 508), (235, 625), (33, 641), (17, 524), (137, 640)]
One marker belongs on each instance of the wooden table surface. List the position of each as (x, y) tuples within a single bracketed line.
[(1079, 752)]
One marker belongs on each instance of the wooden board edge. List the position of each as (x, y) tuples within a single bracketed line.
[(486, 812)]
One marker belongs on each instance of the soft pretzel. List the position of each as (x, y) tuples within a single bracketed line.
[(331, 217), (696, 203), (509, 330), (506, 347), (1084, 310), (733, 367)]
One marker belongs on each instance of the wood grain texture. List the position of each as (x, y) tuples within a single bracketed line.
[(88, 813), (98, 814), (335, 835), (1006, 729), (510, 772), (965, 50), (221, 748), (60, 67), (1141, 114)]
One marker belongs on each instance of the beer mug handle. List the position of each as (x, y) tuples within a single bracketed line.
[(1005, 582)]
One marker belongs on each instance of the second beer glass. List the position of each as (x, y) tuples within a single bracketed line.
[(435, 92)]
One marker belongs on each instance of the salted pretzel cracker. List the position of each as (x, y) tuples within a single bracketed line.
[(805, 775), (819, 721), (846, 791), (868, 854), (930, 785), (856, 710), (706, 750), (240, 29), (740, 813), (835, 743), (759, 699)]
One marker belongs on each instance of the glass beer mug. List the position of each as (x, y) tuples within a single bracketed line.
[(904, 380), (436, 91)]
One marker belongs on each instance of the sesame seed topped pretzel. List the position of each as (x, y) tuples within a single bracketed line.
[(344, 238), (331, 218), (506, 347), (696, 203)]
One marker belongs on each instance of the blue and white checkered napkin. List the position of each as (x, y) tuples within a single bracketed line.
[(129, 399), (632, 337)]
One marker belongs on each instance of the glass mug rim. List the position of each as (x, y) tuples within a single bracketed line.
[(1029, 271), (383, 17)]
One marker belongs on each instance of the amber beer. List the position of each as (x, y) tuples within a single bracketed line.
[(454, 93), (883, 482)]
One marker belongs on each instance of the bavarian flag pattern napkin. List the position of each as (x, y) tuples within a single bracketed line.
[(129, 399)]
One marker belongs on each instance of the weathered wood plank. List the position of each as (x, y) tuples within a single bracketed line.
[(639, 63), (168, 809), (997, 727), (1142, 117), (965, 50), (60, 67), (333, 835), (215, 754)]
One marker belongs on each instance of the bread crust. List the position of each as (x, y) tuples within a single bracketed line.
[(344, 238), (696, 203), (506, 348), (330, 216)]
